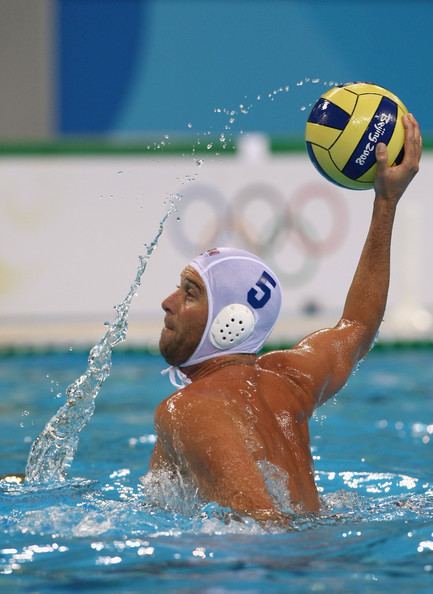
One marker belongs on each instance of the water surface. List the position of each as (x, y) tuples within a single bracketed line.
[(102, 529)]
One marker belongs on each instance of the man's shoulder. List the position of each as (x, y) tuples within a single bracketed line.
[(276, 361), (288, 362), (191, 399), (193, 416), (289, 366)]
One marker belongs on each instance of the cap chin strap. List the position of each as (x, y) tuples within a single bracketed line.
[(174, 374)]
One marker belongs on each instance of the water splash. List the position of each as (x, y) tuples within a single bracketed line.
[(231, 118), (54, 449)]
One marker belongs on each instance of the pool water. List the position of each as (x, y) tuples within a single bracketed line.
[(103, 530)]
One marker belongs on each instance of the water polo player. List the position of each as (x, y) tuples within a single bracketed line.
[(235, 411)]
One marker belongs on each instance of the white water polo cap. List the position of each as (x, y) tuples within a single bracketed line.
[(244, 301)]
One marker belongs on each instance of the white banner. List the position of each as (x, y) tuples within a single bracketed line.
[(71, 230)]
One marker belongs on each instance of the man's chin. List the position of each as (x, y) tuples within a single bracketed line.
[(174, 353), (171, 358), (167, 353)]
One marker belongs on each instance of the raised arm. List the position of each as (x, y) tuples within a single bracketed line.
[(366, 299), (324, 360)]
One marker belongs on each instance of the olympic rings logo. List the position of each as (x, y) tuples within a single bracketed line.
[(292, 234)]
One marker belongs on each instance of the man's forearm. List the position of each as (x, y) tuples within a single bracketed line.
[(367, 296), (366, 300)]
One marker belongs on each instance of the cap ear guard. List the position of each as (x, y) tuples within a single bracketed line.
[(232, 326)]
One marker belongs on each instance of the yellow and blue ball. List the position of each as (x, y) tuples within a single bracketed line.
[(344, 128)]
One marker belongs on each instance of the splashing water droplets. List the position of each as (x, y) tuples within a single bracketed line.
[(53, 450)]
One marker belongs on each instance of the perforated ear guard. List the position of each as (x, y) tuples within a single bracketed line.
[(232, 326)]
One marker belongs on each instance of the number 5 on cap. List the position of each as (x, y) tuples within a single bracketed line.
[(258, 299)]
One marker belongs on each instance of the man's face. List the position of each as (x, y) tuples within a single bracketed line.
[(185, 319)]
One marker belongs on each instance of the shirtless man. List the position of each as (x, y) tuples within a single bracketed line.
[(238, 409)]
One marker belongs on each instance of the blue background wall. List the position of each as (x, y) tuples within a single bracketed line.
[(140, 66)]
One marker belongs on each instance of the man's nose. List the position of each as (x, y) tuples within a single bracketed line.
[(168, 305)]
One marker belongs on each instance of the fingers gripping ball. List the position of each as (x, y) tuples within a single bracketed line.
[(344, 128)]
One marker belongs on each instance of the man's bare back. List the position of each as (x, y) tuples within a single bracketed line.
[(227, 421), (241, 409)]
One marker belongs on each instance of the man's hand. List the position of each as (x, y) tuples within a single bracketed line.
[(391, 182)]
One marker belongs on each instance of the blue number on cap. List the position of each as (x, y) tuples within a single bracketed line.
[(257, 300)]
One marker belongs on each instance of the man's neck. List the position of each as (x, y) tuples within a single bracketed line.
[(200, 370)]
